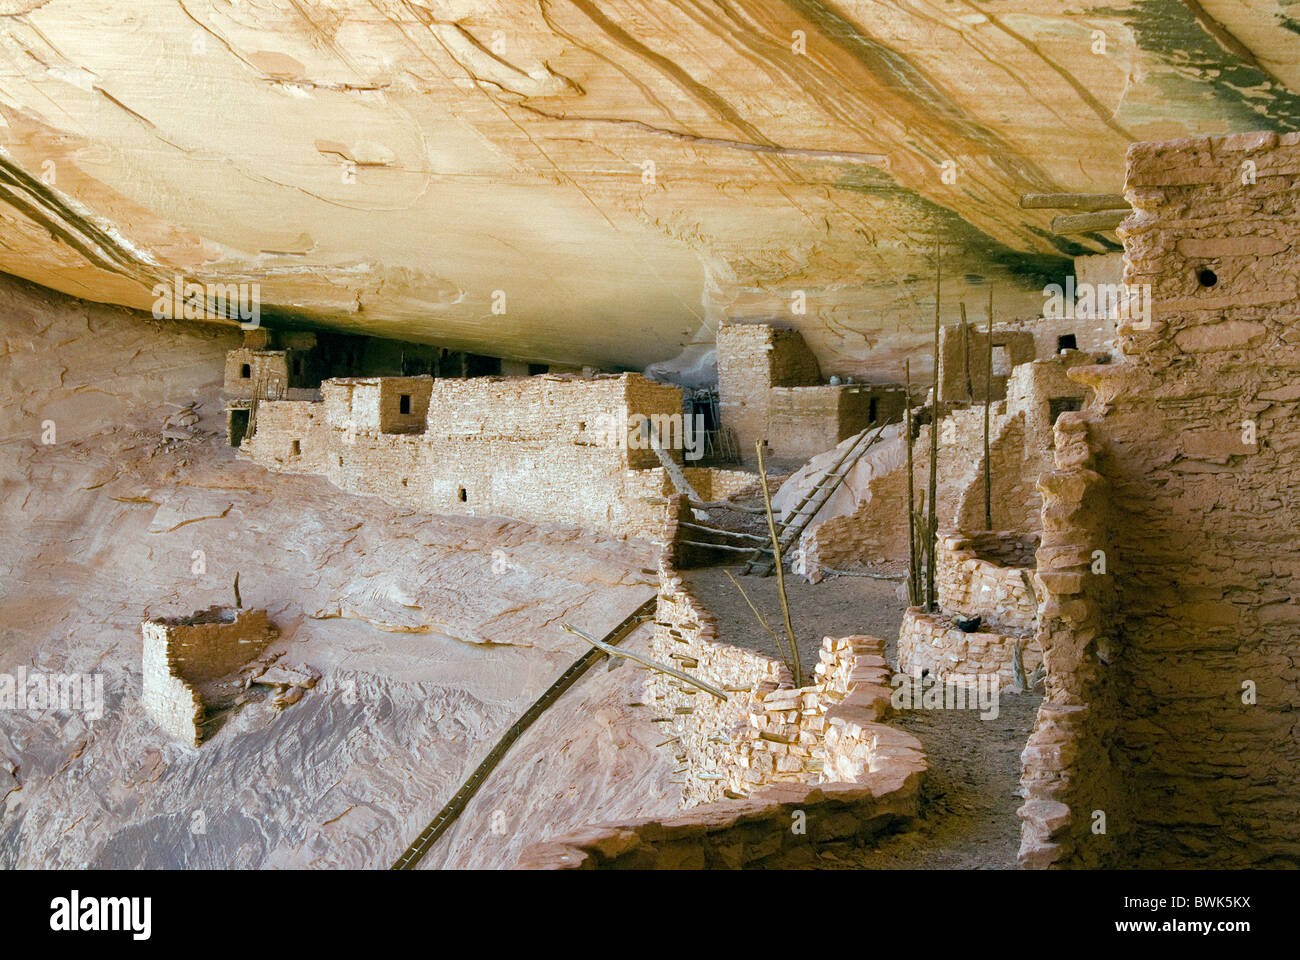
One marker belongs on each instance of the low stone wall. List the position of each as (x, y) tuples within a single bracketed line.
[(930, 642), (795, 767), (718, 483), (971, 583), (706, 728), (182, 652)]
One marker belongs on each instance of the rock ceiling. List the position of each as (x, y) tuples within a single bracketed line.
[(627, 174)]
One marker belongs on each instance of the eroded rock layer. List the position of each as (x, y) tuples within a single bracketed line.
[(598, 182)]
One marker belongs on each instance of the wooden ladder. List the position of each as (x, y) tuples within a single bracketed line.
[(797, 520)]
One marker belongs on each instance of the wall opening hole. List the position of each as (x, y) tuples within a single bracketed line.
[(1067, 341), (404, 403), (403, 481), (1207, 277), (238, 426), (461, 495), (1058, 405), (245, 371), (296, 448), (873, 409), (1001, 361)]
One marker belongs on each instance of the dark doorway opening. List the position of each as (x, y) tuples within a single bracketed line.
[(238, 426), (1067, 341)]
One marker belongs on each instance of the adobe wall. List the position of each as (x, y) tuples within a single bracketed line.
[(816, 757), (182, 652)]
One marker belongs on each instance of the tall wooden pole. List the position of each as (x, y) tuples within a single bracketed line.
[(932, 524), (913, 567), (988, 401), (795, 667)]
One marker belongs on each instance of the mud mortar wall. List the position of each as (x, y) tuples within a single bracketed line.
[(970, 584), (1066, 769), (1200, 669)]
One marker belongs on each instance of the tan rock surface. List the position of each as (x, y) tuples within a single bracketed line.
[(425, 655), (388, 166)]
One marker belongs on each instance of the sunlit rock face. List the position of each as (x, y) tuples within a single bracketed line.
[(614, 178)]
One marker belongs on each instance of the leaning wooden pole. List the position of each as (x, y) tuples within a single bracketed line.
[(932, 519), (795, 668), (988, 402), (913, 566)]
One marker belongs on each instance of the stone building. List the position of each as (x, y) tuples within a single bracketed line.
[(771, 391), (184, 656), (548, 448)]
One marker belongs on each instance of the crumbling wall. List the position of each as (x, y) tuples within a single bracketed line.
[(872, 527), (1065, 767), (875, 530), (855, 776), (971, 582), (706, 727), (1174, 718), (183, 652), (931, 643)]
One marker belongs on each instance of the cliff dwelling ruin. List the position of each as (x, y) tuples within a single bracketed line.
[(609, 436)]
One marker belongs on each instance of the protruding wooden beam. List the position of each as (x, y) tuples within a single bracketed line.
[(1072, 201), (1089, 222)]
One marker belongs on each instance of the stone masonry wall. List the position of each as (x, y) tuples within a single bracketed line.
[(537, 448), (1205, 563), (1066, 771), (930, 643), (857, 777), (975, 586), (180, 653)]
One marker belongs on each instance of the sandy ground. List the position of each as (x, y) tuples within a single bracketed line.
[(836, 607), (426, 654)]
